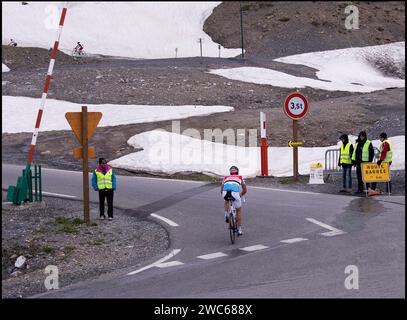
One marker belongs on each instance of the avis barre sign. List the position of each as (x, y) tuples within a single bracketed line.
[(372, 172)]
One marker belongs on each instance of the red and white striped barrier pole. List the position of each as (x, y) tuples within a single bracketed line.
[(46, 87), (264, 146)]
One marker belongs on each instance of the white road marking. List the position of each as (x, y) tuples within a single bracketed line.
[(167, 257), (169, 264), (212, 255), (170, 222), (254, 248), (59, 195), (283, 190), (293, 240), (333, 232)]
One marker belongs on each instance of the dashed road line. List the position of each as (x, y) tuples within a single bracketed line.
[(169, 264), (167, 257), (333, 231), (254, 248), (166, 220), (293, 240), (212, 255)]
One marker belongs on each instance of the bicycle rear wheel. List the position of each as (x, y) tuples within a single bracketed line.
[(232, 227)]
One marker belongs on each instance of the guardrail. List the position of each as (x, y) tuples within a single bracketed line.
[(331, 167)]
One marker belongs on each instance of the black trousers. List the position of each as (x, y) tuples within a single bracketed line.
[(359, 176), (108, 194)]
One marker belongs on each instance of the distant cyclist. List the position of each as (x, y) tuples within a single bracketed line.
[(79, 49), (234, 184), (12, 43)]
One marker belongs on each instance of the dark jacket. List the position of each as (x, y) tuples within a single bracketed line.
[(358, 151)]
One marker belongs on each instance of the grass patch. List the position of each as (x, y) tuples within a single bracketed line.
[(68, 225), (69, 229), (47, 249), (77, 221)]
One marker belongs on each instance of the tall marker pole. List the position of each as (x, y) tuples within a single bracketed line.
[(295, 150), (264, 146), (46, 87)]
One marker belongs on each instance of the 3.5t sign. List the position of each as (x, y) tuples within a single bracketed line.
[(296, 106)]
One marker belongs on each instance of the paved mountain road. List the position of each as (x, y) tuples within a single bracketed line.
[(322, 235)]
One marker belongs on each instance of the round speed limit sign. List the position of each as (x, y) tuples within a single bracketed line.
[(296, 106)]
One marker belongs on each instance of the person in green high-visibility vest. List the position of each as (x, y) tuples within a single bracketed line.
[(345, 162), (363, 152), (104, 181)]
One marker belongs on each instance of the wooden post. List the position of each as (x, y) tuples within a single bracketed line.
[(85, 165), (295, 151)]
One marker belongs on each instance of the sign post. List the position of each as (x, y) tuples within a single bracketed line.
[(85, 164), (264, 146), (83, 125), (295, 107)]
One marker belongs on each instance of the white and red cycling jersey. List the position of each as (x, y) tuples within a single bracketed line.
[(233, 183)]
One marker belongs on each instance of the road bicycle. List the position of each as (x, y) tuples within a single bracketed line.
[(232, 217), (78, 53)]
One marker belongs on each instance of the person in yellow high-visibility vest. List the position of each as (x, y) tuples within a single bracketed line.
[(104, 181), (345, 161), (363, 152), (386, 156)]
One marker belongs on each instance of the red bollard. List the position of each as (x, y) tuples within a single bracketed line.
[(264, 157)]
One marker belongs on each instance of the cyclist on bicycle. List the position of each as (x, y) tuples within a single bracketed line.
[(236, 186), (12, 43), (79, 48)]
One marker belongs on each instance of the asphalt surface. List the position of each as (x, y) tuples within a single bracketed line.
[(330, 233)]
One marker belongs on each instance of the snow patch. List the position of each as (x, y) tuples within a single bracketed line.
[(4, 68), (113, 114), (169, 152), (143, 30), (364, 69)]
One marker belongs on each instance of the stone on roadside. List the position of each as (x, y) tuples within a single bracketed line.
[(20, 262), (16, 273)]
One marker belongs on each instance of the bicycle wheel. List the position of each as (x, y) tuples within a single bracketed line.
[(232, 227)]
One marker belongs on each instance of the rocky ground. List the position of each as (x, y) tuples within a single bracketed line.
[(273, 29), (53, 233)]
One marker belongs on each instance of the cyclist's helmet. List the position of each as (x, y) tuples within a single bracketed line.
[(234, 170)]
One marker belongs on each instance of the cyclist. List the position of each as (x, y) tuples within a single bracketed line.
[(235, 184), (12, 43), (79, 48)]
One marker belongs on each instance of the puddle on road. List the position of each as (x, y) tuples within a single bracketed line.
[(357, 213)]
